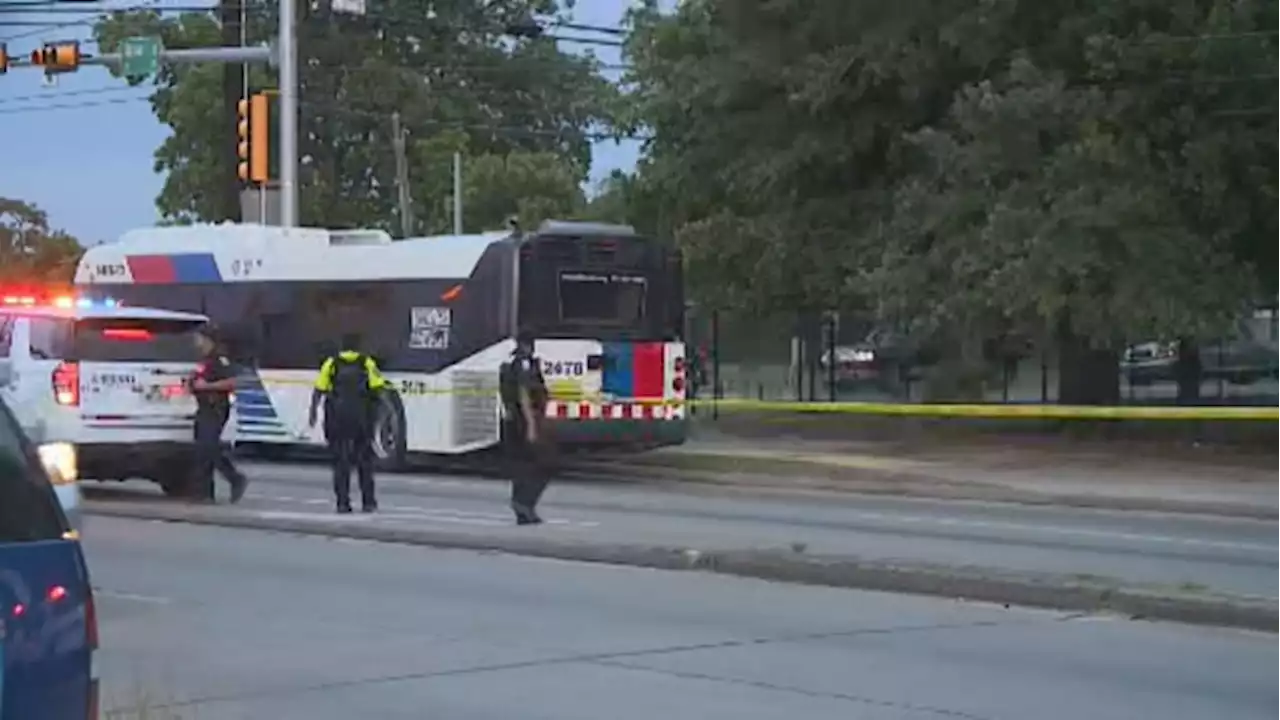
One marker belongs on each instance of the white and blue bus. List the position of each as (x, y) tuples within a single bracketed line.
[(440, 315)]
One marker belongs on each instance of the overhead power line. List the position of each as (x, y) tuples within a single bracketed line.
[(508, 130), (83, 22)]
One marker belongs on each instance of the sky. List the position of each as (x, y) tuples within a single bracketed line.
[(82, 150)]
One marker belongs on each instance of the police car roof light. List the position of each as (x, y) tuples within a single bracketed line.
[(28, 299)]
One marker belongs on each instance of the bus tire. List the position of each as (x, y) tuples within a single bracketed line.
[(389, 448)]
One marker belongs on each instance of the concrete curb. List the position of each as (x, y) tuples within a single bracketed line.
[(865, 481), (969, 583)]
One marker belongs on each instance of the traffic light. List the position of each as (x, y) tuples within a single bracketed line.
[(4, 58), (252, 142), (57, 57)]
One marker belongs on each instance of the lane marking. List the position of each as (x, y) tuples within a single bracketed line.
[(407, 515), (1068, 531), (908, 519), (435, 514), (132, 597)]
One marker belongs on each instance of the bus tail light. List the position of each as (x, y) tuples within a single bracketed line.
[(678, 368), (66, 384)]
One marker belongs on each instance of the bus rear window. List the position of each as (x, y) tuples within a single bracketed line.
[(602, 298), (136, 340)]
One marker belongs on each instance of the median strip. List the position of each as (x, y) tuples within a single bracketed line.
[(878, 476), (1078, 593)]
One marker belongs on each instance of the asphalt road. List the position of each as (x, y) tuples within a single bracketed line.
[(1229, 555), (235, 624)]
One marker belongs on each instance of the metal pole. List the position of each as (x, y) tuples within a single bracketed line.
[(405, 200), (717, 389), (234, 86), (457, 193), (831, 356), (288, 114), (178, 57)]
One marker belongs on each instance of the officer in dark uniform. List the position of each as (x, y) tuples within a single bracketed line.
[(212, 385), (524, 437), (349, 383)]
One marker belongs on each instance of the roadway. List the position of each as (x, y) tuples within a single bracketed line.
[(238, 624), (1226, 555)]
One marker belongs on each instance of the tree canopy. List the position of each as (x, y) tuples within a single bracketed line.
[(30, 250), (968, 171), (454, 75), (1074, 174)]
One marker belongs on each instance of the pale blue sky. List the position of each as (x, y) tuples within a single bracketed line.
[(83, 150)]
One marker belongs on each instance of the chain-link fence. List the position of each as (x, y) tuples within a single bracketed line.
[(823, 357)]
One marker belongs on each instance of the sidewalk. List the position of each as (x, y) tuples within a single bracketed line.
[(1217, 483)]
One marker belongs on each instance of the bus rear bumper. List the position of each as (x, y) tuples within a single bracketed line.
[(619, 434)]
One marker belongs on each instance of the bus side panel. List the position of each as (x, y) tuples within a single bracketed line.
[(455, 411)]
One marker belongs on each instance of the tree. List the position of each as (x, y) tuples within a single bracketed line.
[(777, 128), (451, 69), (31, 251), (629, 199), (1079, 175), (527, 186)]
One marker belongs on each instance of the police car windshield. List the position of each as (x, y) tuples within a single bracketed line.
[(135, 340)]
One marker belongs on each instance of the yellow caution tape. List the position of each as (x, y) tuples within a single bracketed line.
[(975, 410), (936, 410)]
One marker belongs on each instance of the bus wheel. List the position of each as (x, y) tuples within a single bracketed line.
[(389, 435)]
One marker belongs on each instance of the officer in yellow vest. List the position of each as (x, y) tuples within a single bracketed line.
[(349, 383)]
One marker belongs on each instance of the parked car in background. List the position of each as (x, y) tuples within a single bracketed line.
[(1247, 356), (48, 623)]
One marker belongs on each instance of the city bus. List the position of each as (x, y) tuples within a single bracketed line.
[(439, 314)]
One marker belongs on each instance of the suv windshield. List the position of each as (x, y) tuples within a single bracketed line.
[(28, 509), (135, 340)]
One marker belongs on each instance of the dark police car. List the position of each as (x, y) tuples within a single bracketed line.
[(48, 626)]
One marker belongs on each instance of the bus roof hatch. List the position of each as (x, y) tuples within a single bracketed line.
[(358, 237), (584, 229)]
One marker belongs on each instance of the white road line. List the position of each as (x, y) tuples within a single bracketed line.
[(1066, 531), (440, 514), (115, 595), (905, 519), (403, 516), (290, 515)]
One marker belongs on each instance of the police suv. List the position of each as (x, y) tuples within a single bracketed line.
[(110, 381)]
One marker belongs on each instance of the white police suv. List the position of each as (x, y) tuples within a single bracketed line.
[(107, 380)]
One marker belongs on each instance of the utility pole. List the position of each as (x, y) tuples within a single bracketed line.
[(234, 85), (288, 59), (407, 220), (457, 193)]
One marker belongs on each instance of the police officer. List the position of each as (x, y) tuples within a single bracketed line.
[(349, 383), (212, 385), (527, 446)]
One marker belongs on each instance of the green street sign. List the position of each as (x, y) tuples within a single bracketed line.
[(139, 56)]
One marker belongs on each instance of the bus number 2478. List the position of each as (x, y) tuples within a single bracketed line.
[(557, 368)]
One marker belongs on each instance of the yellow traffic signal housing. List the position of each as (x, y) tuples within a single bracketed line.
[(57, 57), (4, 58), (252, 140)]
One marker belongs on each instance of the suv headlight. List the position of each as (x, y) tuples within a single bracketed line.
[(59, 460)]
